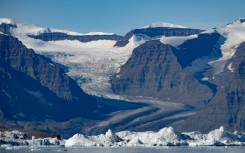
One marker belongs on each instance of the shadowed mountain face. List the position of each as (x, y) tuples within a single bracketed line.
[(227, 107), (203, 45), (34, 88), (153, 71)]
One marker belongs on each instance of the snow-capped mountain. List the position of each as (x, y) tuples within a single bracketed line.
[(161, 65), (91, 58), (31, 29), (91, 63)]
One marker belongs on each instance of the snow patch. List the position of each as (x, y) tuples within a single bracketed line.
[(99, 33), (176, 40), (7, 21), (163, 24), (205, 78), (230, 67)]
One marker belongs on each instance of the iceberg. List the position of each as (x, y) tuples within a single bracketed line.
[(9, 139), (167, 136)]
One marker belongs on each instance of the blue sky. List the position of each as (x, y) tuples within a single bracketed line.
[(120, 16)]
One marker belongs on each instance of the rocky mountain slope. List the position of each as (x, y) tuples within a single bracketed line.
[(153, 71), (227, 107), (34, 88)]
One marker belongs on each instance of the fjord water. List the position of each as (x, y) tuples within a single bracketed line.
[(130, 150)]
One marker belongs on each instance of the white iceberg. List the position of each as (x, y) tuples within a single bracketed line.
[(164, 137)]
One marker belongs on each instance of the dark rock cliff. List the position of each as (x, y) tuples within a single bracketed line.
[(155, 32), (33, 87), (52, 36), (6, 28), (227, 107), (153, 71)]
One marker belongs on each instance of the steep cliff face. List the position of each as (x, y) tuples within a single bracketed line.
[(53, 36), (32, 83), (153, 71), (227, 107), (205, 45), (155, 32)]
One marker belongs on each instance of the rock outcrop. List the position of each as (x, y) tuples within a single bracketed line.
[(53, 36)]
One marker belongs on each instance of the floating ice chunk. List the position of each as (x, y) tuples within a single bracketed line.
[(220, 137), (164, 137), (79, 140), (112, 137)]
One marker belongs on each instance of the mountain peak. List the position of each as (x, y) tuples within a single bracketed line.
[(236, 22), (240, 20), (163, 24), (7, 21)]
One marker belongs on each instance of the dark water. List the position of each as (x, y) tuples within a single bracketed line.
[(129, 150)]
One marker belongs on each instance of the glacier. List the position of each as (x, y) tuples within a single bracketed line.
[(91, 64)]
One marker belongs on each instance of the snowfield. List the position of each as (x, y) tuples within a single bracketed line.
[(164, 137)]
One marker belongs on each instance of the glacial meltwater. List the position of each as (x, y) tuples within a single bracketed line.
[(126, 150)]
